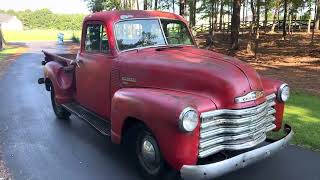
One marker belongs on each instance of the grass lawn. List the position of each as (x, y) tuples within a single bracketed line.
[(10, 50), (37, 35), (302, 112)]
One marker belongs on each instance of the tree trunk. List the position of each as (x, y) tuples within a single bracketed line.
[(145, 5), (247, 11), (137, 1), (243, 11), (317, 19), (215, 15), (192, 9), (182, 4), (235, 24), (266, 9), (316, 10), (173, 5), (289, 27), (229, 11), (284, 32), (211, 17), (221, 14), (211, 29), (155, 4), (309, 21), (249, 45), (256, 47), (1, 39), (309, 26)]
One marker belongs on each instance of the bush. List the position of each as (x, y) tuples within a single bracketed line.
[(75, 39), (45, 19)]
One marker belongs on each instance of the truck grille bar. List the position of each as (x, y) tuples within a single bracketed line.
[(228, 129)]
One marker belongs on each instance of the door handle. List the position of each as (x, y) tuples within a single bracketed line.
[(80, 61), (77, 62)]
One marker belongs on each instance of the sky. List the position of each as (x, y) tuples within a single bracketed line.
[(57, 6)]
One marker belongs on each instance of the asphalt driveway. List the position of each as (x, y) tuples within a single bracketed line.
[(36, 145)]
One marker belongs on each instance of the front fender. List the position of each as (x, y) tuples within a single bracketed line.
[(160, 110), (271, 86), (61, 80)]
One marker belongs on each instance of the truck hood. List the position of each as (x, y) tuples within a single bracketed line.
[(218, 77)]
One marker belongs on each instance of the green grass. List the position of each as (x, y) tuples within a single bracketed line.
[(302, 112), (9, 50), (37, 35)]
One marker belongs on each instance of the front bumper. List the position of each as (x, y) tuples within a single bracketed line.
[(217, 169)]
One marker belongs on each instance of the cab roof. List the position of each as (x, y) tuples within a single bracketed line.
[(114, 16)]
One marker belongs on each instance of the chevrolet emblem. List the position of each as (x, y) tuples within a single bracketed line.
[(254, 95)]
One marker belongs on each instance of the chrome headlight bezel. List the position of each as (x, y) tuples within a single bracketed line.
[(185, 123), (283, 93)]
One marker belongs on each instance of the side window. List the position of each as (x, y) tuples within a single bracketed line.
[(96, 39), (177, 33)]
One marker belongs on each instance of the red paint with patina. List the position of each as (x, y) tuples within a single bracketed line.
[(165, 83)]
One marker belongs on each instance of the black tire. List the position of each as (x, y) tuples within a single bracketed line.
[(158, 170), (59, 111)]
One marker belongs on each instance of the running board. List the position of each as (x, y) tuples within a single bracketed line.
[(102, 125)]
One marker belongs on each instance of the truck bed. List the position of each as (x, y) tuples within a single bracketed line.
[(64, 59)]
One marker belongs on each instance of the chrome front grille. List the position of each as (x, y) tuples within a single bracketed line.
[(227, 129)]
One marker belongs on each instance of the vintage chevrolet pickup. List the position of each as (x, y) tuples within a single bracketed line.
[(140, 79)]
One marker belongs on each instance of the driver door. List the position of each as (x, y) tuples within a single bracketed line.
[(93, 72)]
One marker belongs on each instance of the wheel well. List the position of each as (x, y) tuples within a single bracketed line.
[(128, 124)]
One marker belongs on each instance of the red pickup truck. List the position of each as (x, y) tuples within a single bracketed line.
[(140, 79)]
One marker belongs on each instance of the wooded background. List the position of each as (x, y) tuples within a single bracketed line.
[(250, 16)]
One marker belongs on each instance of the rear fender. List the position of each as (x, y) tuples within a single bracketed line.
[(159, 110), (61, 80)]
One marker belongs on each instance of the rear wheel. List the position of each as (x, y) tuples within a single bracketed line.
[(59, 110)]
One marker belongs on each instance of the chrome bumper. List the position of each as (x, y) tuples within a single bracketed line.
[(217, 169)]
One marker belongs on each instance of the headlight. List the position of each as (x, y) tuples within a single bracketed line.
[(188, 119), (283, 93)]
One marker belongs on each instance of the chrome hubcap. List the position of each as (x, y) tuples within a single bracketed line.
[(148, 153)]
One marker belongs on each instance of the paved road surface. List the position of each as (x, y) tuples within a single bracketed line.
[(35, 145)]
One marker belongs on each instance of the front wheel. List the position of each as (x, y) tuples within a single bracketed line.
[(59, 111), (151, 162)]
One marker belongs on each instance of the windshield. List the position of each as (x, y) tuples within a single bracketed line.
[(139, 33)]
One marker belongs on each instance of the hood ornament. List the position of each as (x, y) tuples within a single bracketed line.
[(251, 96)]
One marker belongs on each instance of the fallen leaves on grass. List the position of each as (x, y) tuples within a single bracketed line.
[(6, 57)]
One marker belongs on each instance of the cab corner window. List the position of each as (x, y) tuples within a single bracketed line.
[(96, 39)]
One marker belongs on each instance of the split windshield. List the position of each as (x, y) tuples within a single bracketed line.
[(141, 33)]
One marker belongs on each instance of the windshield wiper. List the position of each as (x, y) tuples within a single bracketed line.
[(169, 47)]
